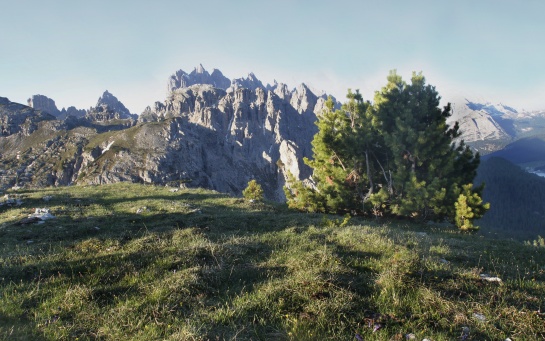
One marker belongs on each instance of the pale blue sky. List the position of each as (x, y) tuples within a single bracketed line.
[(73, 50)]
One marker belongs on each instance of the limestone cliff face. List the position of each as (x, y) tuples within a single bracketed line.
[(216, 137), (222, 138), (46, 104), (209, 132), (43, 103)]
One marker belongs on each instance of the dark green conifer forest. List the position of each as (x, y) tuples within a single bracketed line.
[(517, 200)]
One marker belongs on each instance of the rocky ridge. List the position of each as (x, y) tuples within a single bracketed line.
[(208, 132), (181, 79)]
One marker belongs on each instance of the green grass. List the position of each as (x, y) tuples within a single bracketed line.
[(199, 265)]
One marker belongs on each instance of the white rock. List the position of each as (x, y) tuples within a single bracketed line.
[(488, 278), (42, 213), (479, 317)]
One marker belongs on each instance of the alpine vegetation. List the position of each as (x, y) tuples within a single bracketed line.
[(394, 157)]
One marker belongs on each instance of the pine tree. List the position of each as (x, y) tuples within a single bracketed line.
[(469, 207), (253, 191), (342, 173), (396, 156), (428, 168), (302, 198)]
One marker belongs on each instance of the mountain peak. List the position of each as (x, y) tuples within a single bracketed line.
[(44, 103), (106, 98), (250, 82), (106, 95), (180, 79), (200, 69), (109, 100)]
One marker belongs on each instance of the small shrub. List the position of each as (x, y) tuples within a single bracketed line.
[(253, 191), (539, 242), (336, 222), (469, 207)]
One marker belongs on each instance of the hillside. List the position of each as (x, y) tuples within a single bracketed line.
[(142, 262), (516, 198), (527, 151)]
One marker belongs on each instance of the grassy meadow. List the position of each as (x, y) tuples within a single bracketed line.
[(200, 265)]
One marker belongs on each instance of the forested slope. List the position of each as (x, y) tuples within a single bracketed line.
[(517, 200)]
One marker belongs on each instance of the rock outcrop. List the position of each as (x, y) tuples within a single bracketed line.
[(45, 104), (248, 132)]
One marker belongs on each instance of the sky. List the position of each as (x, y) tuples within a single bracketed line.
[(72, 51)]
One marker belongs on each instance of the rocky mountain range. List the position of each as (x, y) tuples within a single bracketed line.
[(209, 132)]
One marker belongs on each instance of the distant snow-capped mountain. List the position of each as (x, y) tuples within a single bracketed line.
[(476, 123), (488, 126)]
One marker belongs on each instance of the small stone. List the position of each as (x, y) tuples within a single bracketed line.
[(488, 278), (465, 333), (479, 317), (141, 210)]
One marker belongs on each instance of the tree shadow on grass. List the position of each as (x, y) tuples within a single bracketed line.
[(18, 328)]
